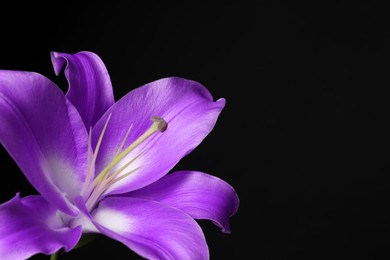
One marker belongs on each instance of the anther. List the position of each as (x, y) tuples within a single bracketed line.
[(162, 124)]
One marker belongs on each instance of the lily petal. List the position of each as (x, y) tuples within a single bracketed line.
[(45, 136), (151, 229), (90, 89), (29, 226), (200, 195), (187, 107)]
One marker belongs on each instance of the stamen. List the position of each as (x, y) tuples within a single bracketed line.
[(104, 179), (115, 174), (100, 140), (104, 185), (158, 123), (124, 176), (89, 170), (101, 187), (95, 154), (124, 140), (97, 191)]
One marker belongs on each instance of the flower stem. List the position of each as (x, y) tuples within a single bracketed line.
[(54, 256)]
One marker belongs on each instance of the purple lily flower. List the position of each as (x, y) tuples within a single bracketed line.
[(103, 167)]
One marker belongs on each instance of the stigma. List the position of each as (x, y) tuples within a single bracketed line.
[(95, 188)]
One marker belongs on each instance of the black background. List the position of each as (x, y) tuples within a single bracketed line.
[(304, 135)]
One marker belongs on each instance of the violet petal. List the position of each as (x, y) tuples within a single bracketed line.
[(151, 229), (200, 195), (90, 89), (30, 225), (185, 105), (45, 136)]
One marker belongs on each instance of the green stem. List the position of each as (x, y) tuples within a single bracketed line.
[(54, 256)]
